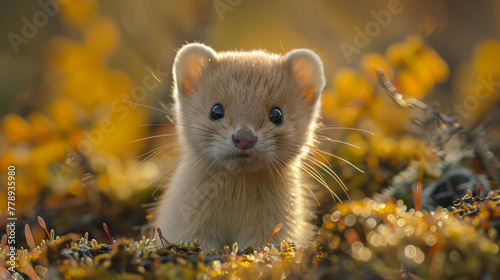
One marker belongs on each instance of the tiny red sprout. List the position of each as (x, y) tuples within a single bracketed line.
[(4, 241), (417, 195), (469, 193), (276, 229), (153, 235), (29, 237), (107, 231), (161, 237), (42, 224)]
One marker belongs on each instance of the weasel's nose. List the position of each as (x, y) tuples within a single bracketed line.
[(244, 140)]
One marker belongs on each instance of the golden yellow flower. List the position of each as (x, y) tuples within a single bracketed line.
[(16, 129), (115, 83), (423, 75), (83, 87), (371, 61), (382, 145), (329, 104), (415, 44), (398, 54), (351, 85), (382, 111), (26, 192), (487, 58), (411, 85), (48, 153), (71, 57), (114, 134), (436, 66), (75, 187), (409, 148), (8, 158), (348, 115), (43, 128), (357, 140), (77, 13), (63, 112), (101, 35)]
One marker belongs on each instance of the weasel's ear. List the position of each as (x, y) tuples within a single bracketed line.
[(307, 70), (189, 64)]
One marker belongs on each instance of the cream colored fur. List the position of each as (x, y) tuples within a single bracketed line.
[(216, 197)]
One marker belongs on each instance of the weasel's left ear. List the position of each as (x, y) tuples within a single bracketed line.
[(307, 70), (189, 65)]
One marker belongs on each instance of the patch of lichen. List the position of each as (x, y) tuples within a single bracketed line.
[(365, 239)]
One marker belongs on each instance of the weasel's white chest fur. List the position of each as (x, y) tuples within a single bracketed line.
[(223, 208)]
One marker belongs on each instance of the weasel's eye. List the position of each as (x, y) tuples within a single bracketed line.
[(217, 112), (276, 116)]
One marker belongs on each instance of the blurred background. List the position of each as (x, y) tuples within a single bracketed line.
[(74, 75)]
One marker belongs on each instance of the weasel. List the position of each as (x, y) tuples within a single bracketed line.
[(245, 121)]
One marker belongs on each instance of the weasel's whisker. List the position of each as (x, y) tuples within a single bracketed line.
[(154, 152), (311, 171), (156, 136), (155, 124), (330, 172), (342, 159), (337, 141), (163, 181), (345, 128), (158, 148), (149, 107)]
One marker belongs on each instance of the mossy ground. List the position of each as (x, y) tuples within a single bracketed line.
[(362, 239)]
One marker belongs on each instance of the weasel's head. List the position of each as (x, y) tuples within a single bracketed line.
[(246, 110)]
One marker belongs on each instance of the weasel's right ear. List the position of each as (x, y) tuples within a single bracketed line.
[(189, 64), (307, 70)]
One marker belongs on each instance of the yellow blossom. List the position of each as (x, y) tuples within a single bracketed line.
[(383, 111), (436, 66), (487, 58), (15, 128), (63, 112), (329, 104), (351, 85), (77, 13), (101, 35), (381, 145), (411, 85), (398, 54), (43, 128), (371, 61)]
